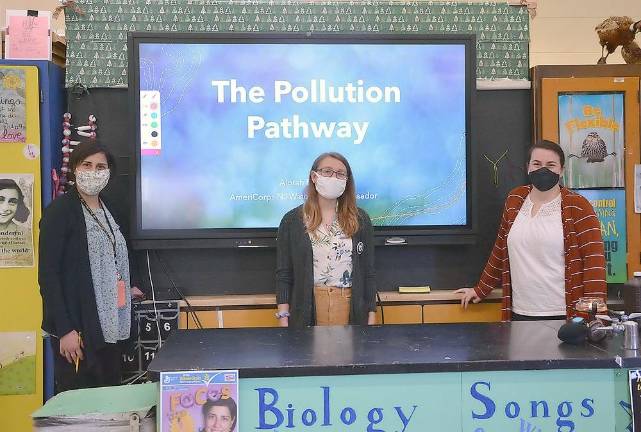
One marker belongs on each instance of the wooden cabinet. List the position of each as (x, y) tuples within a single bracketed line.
[(258, 310), (207, 318), (404, 314), (454, 313), (249, 318)]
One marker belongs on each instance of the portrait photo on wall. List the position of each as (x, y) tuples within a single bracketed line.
[(591, 133), (16, 220)]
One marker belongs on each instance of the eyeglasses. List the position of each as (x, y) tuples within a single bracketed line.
[(328, 172)]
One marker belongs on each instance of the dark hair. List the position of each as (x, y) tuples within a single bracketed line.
[(22, 212), (86, 149), (547, 145), (228, 403)]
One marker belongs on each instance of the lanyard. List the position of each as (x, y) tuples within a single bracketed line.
[(112, 237)]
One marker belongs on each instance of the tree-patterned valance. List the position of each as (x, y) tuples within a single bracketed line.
[(97, 39)]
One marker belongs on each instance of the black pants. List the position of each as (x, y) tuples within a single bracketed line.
[(104, 370), (517, 317)]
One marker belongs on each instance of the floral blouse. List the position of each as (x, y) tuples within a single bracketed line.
[(332, 256)]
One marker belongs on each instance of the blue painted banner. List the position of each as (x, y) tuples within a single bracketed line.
[(401, 403), (609, 206), (521, 401)]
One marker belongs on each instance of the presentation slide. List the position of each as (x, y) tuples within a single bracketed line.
[(229, 131)]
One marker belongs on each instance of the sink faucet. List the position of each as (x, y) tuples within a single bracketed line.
[(621, 323)]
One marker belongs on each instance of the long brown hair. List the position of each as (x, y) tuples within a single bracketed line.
[(347, 212)]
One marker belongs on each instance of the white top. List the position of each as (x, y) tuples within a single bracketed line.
[(537, 262), (332, 251)]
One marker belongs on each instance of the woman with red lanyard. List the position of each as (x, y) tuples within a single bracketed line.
[(84, 277)]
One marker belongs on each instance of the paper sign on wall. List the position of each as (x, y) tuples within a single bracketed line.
[(17, 363), (609, 206), (28, 35), (16, 220), (13, 117)]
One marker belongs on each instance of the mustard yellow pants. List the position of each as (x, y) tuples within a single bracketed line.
[(332, 305)]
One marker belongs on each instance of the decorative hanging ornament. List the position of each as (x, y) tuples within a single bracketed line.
[(495, 168)]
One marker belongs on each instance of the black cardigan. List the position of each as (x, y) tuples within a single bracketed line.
[(295, 270), (64, 273)]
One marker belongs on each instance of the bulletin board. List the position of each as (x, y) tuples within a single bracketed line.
[(20, 336)]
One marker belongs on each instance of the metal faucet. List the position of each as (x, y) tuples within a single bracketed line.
[(622, 323)]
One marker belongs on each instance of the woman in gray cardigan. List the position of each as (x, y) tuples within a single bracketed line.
[(325, 253)]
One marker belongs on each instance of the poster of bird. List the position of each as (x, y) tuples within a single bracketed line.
[(591, 133)]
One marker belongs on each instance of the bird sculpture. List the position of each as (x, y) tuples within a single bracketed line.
[(594, 149), (619, 31)]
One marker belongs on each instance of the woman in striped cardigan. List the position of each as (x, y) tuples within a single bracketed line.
[(549, 251)]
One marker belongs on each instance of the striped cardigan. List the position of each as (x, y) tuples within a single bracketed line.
[(584, 257)]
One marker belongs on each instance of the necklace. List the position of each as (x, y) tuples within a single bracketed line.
[(110, 234), (121, 300)]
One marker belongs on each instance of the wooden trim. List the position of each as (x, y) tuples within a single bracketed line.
[(269, 300), (432, 297), (538, 73), (549, 90), (230, 300)]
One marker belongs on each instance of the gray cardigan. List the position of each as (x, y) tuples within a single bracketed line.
[(295, 270)]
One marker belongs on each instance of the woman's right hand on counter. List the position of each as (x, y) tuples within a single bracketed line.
[(468, 294)]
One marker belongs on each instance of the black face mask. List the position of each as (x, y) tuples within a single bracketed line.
[(543, 179)]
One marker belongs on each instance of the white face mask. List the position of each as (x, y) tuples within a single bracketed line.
[(330, 187), (92, 182)]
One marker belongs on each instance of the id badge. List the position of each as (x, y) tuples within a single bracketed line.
[(120, 288)]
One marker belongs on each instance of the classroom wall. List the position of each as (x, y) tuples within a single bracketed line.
[(231, 271), (563, 30), (502, 122), (561, 33)]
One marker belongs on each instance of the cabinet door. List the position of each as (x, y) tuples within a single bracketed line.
[(584, 115), (402, 314), (208, 319), (454, 313), (249, 318)]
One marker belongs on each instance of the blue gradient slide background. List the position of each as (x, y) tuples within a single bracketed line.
[(412, 157)]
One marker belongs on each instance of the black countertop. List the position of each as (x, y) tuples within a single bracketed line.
[(274, 352)]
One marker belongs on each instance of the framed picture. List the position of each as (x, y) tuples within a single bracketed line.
[(591, 133)]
